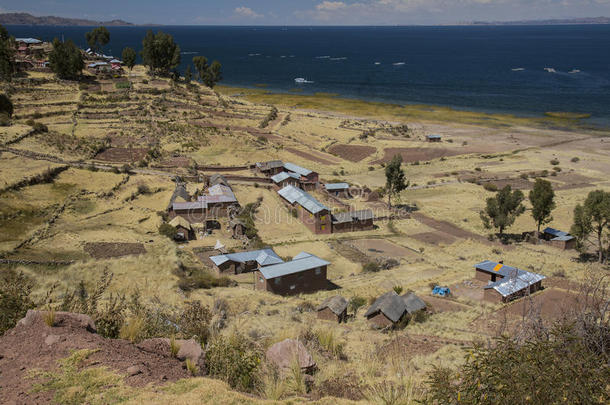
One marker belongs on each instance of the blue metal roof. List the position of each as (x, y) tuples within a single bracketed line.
[(302, 262), (263, 257), (293, 194), (291, 167), (336, 186), (555, 232), (433, 136)]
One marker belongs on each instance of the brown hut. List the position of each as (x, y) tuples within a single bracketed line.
[(333, 309), (183, 227)]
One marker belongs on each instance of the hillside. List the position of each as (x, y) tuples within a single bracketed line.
[(562, 21), (85, 193), (28, 19)]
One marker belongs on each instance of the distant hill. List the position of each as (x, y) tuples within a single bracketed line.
[(566, 21), (28, 19)]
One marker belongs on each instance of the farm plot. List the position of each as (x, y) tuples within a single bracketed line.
[(382, 248), (122, 154), (353, 153), (318, 158), (106, 250), (434, 238), (410, 155)]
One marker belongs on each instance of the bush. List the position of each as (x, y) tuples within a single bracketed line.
[(490, 187), (123, 85), (371, 267), (524, 176), (143, 189), (6, 105), (554, 162), (398, 289), (15, 289), (168, 230), (194, 321), (356, 302), (575, 159), (134, 329), (328, 341), (236, 360), (5, 120)]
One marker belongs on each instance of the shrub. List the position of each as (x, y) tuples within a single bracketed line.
[(554, 162), (143, 189), (6, 105), (15, 290), (192, 367), (194, 321), (478, 169), (356, 302), (557, 169), (575, 159), (122, 85), (371, 168), (134, 329), (371, 267), (328, 341), (524, 176), (234, 359), (49, 317), (197, 278), (397, 289), (490, 187), (167, 230), (5, 120)]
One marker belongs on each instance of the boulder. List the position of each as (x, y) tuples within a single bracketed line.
[(188, 349), (134, 370), (62, 319), (284, 353), (52, 339)]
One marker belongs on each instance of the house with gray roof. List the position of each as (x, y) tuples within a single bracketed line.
[(433, 138), (311, 212), (337, 189), (390, 308), (308, 179), (305, 273), (242, 262), (557, 238), (270, 168), (353, 221), (506, 283), (284, 179), (333, 309)]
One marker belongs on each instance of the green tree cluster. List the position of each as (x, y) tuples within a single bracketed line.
[(7, 55), (210, 75), (542, 198), (6, 105), (129, 57), (97, 38), (395, 178), (66, 60), (592, 223), (15, 290), (502, 209), (160, 53)]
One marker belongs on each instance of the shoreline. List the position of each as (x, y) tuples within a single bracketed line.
[(327, 102)]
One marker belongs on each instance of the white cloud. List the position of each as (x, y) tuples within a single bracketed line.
[(331, 5), (247, 12)]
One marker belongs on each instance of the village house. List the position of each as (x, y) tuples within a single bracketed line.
[(337, 189), (238, 228), (284, 179), (308, 179), (433, 138), (312, 213), (218, 202), (25, 46), (559, 239), (390, 308), (333, 309), (506, 283), (99, 68), (270, 168), (243, 262), (184, 229), (306, 273), (217, 179), (353, 221)]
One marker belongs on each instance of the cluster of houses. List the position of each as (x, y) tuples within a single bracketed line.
[(31, 54), (100, 64), (305, 273), (201, 211), (293, 182)]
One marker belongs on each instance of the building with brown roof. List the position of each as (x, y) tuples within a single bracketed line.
[(333, 309), (390, 308)]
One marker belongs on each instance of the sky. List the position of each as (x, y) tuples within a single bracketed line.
[(310, 12)]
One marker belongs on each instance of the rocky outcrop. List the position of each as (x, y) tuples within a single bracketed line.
[(188, 349), (62, 319), (283, 355)]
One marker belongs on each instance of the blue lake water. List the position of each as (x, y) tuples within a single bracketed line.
[(463, 67)]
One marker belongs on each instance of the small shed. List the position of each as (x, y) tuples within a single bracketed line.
[(557, 238), (337, 189), (391, 308), (183, 227), (333, 309), (433, 138), (238, 228)]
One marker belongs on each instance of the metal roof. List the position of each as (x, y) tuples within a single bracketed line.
[(293, 194), (336, 186), (362, 214), (564, 238), (291, 167), (555, 232), (283, 176), (272, 164), (218, 193), (510, 285), (344, 217), (195, 205), (263, 257), (337, 304), (302, 262), (498, 268), (29, 41), (433, 136)]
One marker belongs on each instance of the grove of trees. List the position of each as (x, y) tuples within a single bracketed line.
[(210, 75), (592, 223), (97, 38), (160, 53), (66, 60), (502, 209)]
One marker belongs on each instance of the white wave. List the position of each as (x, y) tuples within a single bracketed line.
[(550, 70), (189, 53), (254, 54), (323, 57), (398, 63), (341, 58), (378, 63), (518, 69), (574, 71)]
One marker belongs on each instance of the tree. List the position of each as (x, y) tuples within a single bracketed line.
[(97, 38), (502, 210), (15, 289), (129, 57), (188, 76), (160, 53), (6, 105), (593, 218), (542, 198), (7, 55), (213, 74), (201, 64), (395, 178), (66, 60)]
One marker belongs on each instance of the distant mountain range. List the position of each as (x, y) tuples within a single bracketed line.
[(565, 21), (28, 19)]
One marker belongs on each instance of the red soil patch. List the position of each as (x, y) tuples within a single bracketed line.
[(409, 346), (449, 228), (438, 305), (353, 153), (122, 154), (310, 156), (105, 250), (382, 248), (515, 184), (410, 155), (36, 346), (434, 238)]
